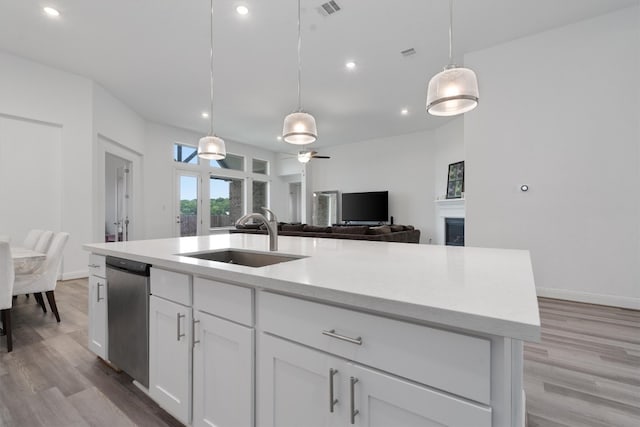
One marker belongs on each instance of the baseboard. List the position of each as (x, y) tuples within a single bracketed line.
[(70, 275), (600, 299)]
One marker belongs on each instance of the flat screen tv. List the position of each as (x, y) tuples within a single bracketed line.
[(372, 206)]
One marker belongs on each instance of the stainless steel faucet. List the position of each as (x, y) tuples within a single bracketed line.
[(272, 225)]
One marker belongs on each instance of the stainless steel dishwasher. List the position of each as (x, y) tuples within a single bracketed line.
[(128, 316)]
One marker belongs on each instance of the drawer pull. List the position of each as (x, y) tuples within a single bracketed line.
[(332, 334), (178, 317), (332, 399), (98, 299), (352, 393), (193, 332)]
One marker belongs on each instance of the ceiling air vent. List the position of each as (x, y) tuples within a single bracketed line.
[(408, 52), (328, 8)]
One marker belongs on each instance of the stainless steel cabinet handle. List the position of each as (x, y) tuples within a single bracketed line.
[(352, 393), (332, 334), (98, 299), (332, 400), (193, 332), (179, 335)]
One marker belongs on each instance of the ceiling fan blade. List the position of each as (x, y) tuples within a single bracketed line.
[(320, 157)]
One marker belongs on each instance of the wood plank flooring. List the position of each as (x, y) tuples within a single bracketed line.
[(52, 379), (584, 372), (586, 369)]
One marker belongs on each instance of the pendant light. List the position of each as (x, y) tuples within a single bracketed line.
[(299, 127), (211, 147), (454, 90)]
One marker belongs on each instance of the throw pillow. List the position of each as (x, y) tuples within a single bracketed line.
[(383, 229)]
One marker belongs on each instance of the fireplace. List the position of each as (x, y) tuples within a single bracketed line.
[(454, 231)]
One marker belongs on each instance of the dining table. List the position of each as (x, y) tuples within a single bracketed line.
[(26, 261)]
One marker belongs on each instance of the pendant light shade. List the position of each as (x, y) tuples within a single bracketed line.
[(455, 90), (299, 129), (452, 91), (211, 148)]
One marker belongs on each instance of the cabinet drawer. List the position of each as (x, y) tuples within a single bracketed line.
[(97, 265), (221, 299), (449, 361), (171, 285)]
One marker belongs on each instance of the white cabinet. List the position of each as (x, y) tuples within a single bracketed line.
[(222, 373), (384, 400), (97, 304), (294, 386), (98, 336), (170, 344), (299, 386)]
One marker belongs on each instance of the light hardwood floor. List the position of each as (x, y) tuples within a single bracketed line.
[(584, 372)]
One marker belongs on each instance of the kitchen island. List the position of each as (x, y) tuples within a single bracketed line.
[(349, 332)]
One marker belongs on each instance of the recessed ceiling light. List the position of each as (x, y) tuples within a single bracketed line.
[(51, 12), (279, 138), (404, 111), (350, 65), (242, 10), (205, 115)]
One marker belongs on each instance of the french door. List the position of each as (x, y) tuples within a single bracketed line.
[(188, 212)]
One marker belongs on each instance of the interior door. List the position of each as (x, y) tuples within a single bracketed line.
[(188, 215)]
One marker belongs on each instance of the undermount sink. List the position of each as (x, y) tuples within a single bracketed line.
[(246, 258)]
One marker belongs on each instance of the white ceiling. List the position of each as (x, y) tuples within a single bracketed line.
[(153, 55)]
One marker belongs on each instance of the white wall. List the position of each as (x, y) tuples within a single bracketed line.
[(120, 131), (159, 186), (33, 93), (403, 165), (559, 111)]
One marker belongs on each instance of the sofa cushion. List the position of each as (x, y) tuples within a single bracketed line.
[(292, 227), (408, 227), (352, 229), (396, 228), (383, 229), (316, 229)]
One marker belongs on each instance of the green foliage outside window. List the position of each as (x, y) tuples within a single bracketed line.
[(219, 206)]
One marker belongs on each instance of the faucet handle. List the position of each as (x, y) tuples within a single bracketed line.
[(273, 216)]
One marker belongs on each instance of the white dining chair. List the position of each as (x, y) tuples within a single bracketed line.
[(6, 290), (32, 238), (45, 278), (43, 242)]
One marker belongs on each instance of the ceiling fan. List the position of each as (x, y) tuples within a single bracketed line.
[(305, 156)]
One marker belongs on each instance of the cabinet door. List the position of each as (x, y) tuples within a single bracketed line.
[(170, 357), (382, 400), (98, 335), (294, 386), (222, 373)]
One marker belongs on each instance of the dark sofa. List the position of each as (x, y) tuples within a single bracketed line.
[(383, 233)]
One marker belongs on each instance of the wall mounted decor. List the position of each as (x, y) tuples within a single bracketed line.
[(455, 180)]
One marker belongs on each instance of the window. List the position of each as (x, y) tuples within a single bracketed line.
[(260, 166), (230, 162), (225, 200), (259, 195), (185, 154)]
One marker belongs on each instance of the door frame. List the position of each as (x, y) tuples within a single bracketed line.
[(107, 145)]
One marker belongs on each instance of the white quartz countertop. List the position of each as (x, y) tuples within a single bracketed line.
[(483, 290)]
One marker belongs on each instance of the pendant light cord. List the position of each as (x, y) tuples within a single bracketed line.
[(450, 32), (211, 71), (299, 61)]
